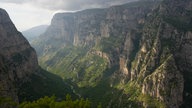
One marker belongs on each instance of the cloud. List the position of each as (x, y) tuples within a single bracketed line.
[(69, 5), (13, 1)]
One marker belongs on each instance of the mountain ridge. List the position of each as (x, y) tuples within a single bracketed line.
[(34, 32)]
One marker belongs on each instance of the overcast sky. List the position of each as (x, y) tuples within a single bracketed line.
[(26, 14)]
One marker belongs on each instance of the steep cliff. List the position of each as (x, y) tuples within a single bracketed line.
[(19, 69), (113, 32), (140, 51), (160, 66), (18, 58)]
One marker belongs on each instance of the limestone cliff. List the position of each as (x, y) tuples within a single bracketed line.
[(118, 27), (163, 52)]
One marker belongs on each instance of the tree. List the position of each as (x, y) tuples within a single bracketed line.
[(50, 102)]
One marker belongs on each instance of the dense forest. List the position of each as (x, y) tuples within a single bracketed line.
[(49, 102)]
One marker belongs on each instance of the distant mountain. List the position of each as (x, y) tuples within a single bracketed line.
[(34, 32)]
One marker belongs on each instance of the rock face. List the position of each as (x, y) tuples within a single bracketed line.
[(164, 50), (94, 27), (149, 41), (18, 58), (19, 66)]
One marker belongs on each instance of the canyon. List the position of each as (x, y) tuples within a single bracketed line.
[(132, 55)]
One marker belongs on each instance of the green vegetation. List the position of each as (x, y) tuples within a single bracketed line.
[(94, 68), (135, 96), (151, 102), (108, 45), (39, 86), (88, 73), (133, 91), (181, 23), (7, 102), (52, 102), (85, 71), (48, 102), (100, 93), (77, 64)]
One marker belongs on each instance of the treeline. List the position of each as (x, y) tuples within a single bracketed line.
[(51, 102)]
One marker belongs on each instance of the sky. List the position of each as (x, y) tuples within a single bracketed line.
[(26, 14)]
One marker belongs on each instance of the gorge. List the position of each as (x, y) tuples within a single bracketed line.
[(132, 55)]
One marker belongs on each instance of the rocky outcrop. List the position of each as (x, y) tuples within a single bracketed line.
[(164, 50), (102, 55), (165, 84), (123, 65)]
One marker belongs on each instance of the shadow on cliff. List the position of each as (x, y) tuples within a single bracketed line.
[(43, 83)]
